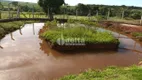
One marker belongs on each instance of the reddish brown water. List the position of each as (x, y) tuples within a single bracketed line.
[(24, 56)]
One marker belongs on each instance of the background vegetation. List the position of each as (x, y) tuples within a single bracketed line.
[(130, 12), (25, 6)]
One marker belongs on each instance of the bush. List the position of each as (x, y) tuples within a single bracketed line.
[(136, 15), (99, 18), (52, 24)]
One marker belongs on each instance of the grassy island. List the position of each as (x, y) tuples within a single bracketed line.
[(77, 33)]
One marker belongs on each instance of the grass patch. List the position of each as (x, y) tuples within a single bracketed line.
[(110, 73), (136, 34), (88, 34)]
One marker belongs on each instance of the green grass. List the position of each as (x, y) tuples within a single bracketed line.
[(52, 24), (110, 73), (88, 34), (137, 34), (125, 20), (4, 15)]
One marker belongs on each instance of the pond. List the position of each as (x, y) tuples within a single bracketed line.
[(24, 56)]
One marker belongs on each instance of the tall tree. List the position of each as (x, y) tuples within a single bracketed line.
[(15, 4), (83, 9), (49, 6)]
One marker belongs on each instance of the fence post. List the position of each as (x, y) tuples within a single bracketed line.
[(76, 13), (97, 13), (33, 11), (64, 15), (123, 14), (12, 14), (89, 15), (0, 14), (1, 8), (9, 10), (108, 15), (18, 12), (29, 15), (141, 20)]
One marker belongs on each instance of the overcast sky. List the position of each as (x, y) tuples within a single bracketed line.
[(107, 2)]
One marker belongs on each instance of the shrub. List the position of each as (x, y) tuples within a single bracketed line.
[(51, 25)]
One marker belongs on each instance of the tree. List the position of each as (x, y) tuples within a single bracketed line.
[(135, 14), (49, 6), (15, 4), (83, 9)]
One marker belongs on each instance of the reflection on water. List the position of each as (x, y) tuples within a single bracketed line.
[(0, 45), (11, 35), (20, 31), (33, 29), (27, 57)]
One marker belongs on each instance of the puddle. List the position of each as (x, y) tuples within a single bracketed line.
[(24, 56)]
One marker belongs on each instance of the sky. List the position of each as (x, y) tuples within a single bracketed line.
[(106, 2)]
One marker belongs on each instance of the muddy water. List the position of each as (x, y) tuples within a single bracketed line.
[(24, 56)]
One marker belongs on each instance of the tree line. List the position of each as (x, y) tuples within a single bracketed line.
[(102, 10)]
